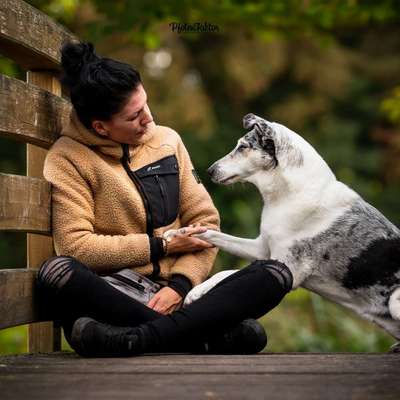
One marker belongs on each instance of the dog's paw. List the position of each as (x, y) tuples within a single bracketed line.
[(174, 232), (200, 290), (395, 348), (168, 235), (197, 292)]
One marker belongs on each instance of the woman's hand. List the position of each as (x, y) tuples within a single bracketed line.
[(165, 301), (183, 242)]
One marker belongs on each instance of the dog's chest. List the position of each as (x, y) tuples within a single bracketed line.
[(302, 246)]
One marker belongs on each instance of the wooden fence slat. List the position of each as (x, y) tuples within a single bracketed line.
[(43, 337), (30, 37), (31, 114), (17, 293), (25, 204)]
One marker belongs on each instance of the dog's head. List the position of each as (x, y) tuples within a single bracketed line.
[(266, 147)]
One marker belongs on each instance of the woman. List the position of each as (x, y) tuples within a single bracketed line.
[(119, 181)]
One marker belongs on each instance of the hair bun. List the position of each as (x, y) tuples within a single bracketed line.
[(74, 56)]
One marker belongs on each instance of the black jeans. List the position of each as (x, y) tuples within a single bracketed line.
[(67, 290)]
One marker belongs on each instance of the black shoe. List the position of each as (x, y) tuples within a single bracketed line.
[(248, 337), (90, 338)]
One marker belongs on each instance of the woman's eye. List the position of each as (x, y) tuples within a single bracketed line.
[(135, 115), (132, 119)]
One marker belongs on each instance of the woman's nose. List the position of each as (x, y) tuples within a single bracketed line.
[(147, 117)]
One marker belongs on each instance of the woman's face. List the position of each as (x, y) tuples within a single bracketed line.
[(132, 124)]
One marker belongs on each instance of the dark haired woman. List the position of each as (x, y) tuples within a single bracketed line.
[(119, 181)]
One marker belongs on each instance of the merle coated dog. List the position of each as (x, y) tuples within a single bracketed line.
[(334, 242)]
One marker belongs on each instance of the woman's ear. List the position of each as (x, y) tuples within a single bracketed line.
[(98, 127)]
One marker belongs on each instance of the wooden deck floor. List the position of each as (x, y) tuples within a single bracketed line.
[(179, 376)]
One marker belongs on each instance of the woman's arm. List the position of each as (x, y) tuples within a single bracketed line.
[(73, 222), (196, 207)]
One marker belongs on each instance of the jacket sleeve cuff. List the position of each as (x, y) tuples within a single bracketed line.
[(180, 284), (156, 248)]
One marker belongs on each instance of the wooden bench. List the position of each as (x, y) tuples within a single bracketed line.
[(33, 112)]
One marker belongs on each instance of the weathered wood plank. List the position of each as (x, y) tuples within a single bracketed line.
[(42, 337), (31, 114), (30, 37), (289, 363), (269, 376), (25, 204), (17, 305), (198, 386)]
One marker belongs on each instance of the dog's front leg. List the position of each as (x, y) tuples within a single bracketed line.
[(249, 249)]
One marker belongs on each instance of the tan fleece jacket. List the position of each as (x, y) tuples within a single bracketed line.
[(98, 215)]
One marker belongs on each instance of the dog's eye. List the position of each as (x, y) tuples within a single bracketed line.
[(241, 147)]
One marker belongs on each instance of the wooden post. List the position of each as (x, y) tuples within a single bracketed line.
[(43, 336)]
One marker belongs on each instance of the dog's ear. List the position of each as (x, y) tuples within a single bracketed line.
[(265, 129), (266, 137), (268, 145), (249, 121)]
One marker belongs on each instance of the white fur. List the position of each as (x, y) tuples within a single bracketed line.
[(302, 199), (200, 290), (290, 212), (394, 304)]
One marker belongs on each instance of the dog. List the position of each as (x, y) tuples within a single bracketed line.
[(334, 243)]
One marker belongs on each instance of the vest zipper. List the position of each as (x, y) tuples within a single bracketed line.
[(139, 186), (146, 203), (162, 195)]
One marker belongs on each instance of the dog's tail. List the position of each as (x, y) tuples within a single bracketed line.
[(394, 304)]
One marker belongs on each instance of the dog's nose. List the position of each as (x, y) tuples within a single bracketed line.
[(211, 170)]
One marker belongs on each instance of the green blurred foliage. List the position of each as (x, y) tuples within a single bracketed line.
[(328, 70), (15, 340), (391, 106), (305, 322)]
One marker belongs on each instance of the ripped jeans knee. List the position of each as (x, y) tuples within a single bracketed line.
[(278, 269), (55, 272)]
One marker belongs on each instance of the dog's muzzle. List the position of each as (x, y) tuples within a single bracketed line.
[(211, 171)]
